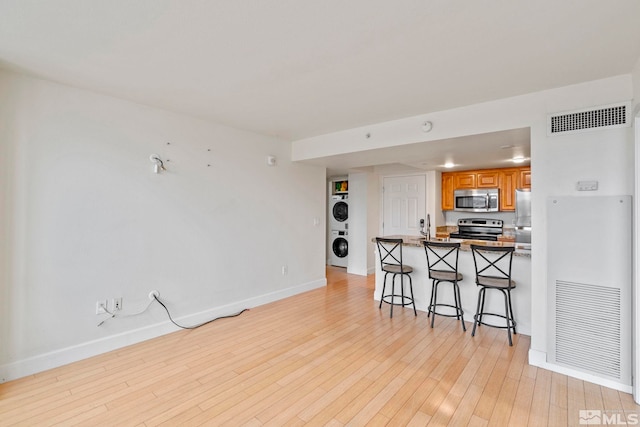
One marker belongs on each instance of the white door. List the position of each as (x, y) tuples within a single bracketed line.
[(404, 200)]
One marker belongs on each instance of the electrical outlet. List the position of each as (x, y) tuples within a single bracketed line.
[(101, 306), (285, 270), (153, 295), (116, 303)]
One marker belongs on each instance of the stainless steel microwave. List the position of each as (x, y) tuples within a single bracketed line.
[(480, 200)]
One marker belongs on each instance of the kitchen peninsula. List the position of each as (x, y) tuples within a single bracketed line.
[(414, 255)]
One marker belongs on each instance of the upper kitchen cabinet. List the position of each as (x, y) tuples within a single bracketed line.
[(508, 184), (464, 180), (525, 178), (447, 191), (487, 179), (506, 180)]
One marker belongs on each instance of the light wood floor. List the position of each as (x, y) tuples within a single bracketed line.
[(326, 357)]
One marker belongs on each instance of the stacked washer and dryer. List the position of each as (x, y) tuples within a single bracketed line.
[(339, 228)]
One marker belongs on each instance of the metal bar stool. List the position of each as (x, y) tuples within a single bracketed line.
[(390, 252), (442, 260), (493, 271)]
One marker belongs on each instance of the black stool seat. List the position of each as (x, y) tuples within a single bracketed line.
[(397, 269), (445, 275), (496, 282), (390, 252), (493, 271), (442, 260)]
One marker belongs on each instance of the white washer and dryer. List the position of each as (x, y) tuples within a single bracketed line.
[(339, 226), (339, 212), (339, 248)]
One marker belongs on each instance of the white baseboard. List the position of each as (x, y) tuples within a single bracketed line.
[(357, 271), (539, 359), (54, 359)]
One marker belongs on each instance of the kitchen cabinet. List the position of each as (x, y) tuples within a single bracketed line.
[(525, 178), (487, 179), (447, 192), (464, 180), (507, 180), (508, 185)]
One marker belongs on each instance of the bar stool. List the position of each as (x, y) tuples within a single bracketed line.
[(390, 252), (442, 260), (493, 271)]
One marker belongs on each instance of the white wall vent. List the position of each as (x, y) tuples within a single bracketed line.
[(589, 286), (607, 116), (588, 327)]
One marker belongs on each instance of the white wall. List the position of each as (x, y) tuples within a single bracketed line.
[(434, 200), (373, 222), (357, 260), (84, 218), (363, 222), (556, 162), (636, 86), (636, 240)]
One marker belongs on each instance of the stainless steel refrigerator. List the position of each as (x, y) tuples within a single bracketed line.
[(523, 215)]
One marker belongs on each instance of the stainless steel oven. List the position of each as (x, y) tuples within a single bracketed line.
[(478, 229), (480, 200)]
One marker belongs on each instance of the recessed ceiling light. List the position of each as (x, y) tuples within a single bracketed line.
[(449, 165), (518, 159)]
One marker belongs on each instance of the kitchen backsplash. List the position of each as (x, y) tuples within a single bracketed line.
[(452, 217)]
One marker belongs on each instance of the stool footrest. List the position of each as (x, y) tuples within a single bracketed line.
[(512, 323), (406, 300), (457, 305), (459, 312)]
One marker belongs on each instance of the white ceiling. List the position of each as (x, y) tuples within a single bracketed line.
[(489, 150), (300, 68)]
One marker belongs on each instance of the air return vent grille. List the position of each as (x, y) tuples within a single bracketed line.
[(588, 327), (610, 116)]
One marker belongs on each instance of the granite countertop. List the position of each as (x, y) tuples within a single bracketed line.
[(522, 249)]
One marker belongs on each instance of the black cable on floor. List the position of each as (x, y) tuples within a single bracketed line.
[(202, 324)]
